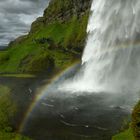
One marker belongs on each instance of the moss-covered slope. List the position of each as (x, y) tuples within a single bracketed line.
[(136, 121), (8, 110), (54, 41), (125, 135)]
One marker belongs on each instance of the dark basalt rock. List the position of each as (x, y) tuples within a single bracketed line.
[(62, 11), (65, 9)]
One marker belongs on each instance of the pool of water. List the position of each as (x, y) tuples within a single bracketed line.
[(60, 116)]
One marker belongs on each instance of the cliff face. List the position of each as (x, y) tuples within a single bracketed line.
[(65, 9), (54, 41)]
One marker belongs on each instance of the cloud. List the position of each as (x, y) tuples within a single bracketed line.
[(16, 17)]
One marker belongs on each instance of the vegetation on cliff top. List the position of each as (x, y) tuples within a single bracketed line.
[(55, 40)]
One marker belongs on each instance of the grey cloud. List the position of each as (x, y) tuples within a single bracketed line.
[(16, 17)]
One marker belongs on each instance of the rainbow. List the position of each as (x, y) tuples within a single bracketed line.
[(39, 94)]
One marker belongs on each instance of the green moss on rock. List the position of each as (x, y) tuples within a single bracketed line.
[(125, 135), (12, 136), (40, 63), (7, 111), (136, 121), (7, 107)]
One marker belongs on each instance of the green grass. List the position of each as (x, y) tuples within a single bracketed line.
[(126, 135), (136, 121), (15, 56), (18, 75), (64, 34), (12, 136), (4, 90), (8, 109)]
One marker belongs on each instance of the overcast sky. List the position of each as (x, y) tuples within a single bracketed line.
[(16, 17)]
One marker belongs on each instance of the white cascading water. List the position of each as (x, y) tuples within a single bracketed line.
[(111, 61)]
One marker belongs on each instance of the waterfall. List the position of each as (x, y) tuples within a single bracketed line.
[(110, 61)]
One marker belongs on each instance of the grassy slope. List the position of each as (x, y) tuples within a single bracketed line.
[(12, 136), (18, 75), (7, 110), (30, 56), (126, 135), (136, 121)]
